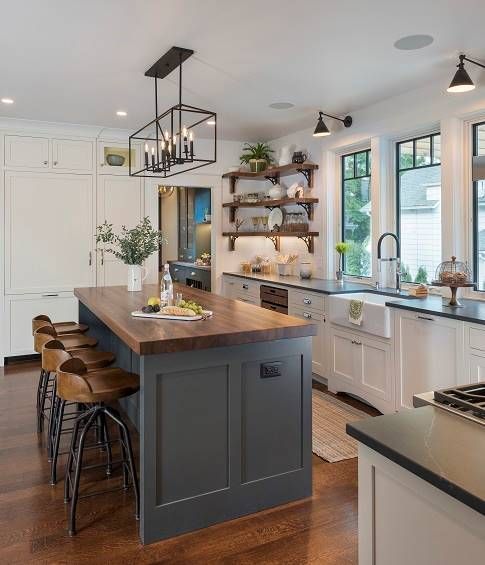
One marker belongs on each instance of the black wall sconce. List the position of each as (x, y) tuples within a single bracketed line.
[(322, 130), (461, 81)]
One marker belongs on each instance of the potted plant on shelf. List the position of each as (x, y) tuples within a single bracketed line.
[(133, 247), (341, 248), (257, 156)]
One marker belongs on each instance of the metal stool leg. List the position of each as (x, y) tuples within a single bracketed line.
[(104, 435), (77, 475), (52, 415), (55, 449), (40, 415)]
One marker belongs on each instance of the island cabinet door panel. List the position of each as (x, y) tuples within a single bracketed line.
[(48, 228), (74, 155), (26, 152), (271, 416), (121, 203), (429, 355)]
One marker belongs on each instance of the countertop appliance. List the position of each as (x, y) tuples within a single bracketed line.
[(274, 298), (467, 401)]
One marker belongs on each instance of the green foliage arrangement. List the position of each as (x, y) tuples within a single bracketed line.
[(421, 275), (133, 246), (406, 274), (256, 151), (342, 247)]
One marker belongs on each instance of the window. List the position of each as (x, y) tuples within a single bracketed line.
[(356, 213), (479, 206), (419, 207)]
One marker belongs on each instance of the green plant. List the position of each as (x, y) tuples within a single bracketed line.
[(421, 275), (133, 246), (342, 247), (406, 274), (256, 151)]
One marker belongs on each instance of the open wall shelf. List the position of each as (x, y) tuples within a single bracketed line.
[(307, 237), (305, 203), (273, 174)]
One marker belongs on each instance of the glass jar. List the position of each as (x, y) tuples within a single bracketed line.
[(305, 270)]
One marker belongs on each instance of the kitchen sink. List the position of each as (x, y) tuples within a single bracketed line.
[(376, 319)]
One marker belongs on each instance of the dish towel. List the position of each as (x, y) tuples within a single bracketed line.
[(356, 311)]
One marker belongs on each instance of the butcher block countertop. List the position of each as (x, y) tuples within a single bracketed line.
[(232, 323)]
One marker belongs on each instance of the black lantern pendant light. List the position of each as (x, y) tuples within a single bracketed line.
[(461, 81), (322, 130), (169, 140)]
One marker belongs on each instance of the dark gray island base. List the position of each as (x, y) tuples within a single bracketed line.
[(225, 430)]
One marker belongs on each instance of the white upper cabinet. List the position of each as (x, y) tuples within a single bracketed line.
[(120, 202), (72, 155), (48, 232), (27, 152), (63, 155)]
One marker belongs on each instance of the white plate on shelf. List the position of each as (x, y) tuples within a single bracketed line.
[(275, 218), (158, 316)]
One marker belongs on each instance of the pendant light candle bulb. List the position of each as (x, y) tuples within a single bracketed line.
[(184, 132), (146, 155)]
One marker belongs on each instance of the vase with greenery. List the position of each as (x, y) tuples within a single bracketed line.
[(341, 248), (133, 247), (257, 156)]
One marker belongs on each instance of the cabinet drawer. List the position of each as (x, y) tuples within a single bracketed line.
[(306, 314), (475, 338), (245, 287), (307, 299), (248, 299), (60, 307), (274, 307)]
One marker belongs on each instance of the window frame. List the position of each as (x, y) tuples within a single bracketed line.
[(474, 148), (398, 170), (368, 160)]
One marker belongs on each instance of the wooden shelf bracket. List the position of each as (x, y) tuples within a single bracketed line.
[(232, 241), (308, 174), (309, 240), (273, 179), (276, 241), (308, 207)]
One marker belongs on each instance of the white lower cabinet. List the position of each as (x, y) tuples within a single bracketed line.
[(319, 354), (362, 365), (20, 310), (429, 355)]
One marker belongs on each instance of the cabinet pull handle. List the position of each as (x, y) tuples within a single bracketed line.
[(50, 295), (46, 162), (193, 273), (356, 342), (245, 286), (307, 315), (307, 301), (176, 270), (425, 318), (90, 258)]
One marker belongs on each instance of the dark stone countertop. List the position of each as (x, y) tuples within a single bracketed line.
[(472, 311), (444, 449), (324, 286)]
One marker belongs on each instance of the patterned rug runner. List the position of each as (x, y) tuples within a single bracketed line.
[(330, 415)]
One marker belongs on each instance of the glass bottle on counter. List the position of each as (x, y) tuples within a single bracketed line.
[(166, 288)]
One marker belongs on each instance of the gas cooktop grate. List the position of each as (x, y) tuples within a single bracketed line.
[(467, 398)]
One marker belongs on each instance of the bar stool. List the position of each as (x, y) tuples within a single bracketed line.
[(53, 354), (44, 388), (75, 384), (61, 327)]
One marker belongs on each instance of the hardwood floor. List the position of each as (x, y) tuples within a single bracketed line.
[(322, 529)]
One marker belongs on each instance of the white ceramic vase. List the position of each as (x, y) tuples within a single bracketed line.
[(285, 155), (136, 277)]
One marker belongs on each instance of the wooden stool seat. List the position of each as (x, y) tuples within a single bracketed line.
[(76, 384), (69, 341), (54, 353), (60, 327)]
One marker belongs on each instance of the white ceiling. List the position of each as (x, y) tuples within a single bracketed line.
[(80, 61)]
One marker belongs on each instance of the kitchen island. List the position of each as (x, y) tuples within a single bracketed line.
[(224, 409)]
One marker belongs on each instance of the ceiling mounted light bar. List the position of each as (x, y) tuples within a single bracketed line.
[(322, 130), (461, 81), (168, 140)]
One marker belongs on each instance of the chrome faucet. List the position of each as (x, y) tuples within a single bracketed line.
[(397, 258)]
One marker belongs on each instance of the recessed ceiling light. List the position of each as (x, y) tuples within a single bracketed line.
[(413, 42), (121, 113), (281, 105), (211, 122), (7, 100)]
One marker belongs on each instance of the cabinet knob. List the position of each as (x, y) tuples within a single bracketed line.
[(307, 315), (245, 286), (307, 301), (46, 162), (55, 163), (193, 273)]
